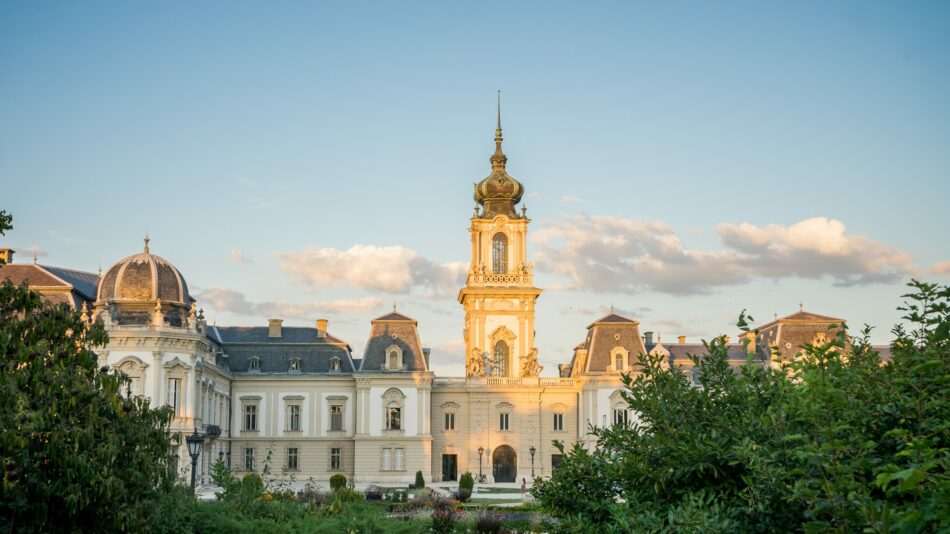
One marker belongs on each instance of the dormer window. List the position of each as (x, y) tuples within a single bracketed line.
[(618, 359), (254, 365), (393, 358), (295, 365), (334, 365)]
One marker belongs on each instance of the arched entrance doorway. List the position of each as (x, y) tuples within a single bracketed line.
[(504, 464)]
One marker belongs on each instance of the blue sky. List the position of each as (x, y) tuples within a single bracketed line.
[(330, 144)]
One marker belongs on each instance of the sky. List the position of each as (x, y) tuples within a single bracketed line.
[(683, 160)]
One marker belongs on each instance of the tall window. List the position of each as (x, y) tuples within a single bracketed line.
[(254, 364), (393, 418), (450, 421), (335, 365), (620, 416), (336, 458), (336, 418), (393, 459), (502, 421), (499, 253), (249, 459), (293, 417), (174, 395), (555, 461), (500, 367), (393, 360), (294, 365), (293, 462), (250, 417), (618, 362), (558, 422)]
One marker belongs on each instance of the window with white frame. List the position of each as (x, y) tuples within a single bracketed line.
[(393, 459), (620, 415), (174, 395), (295, 365), (249, 459), (618, 359), (293, 417), (334, 365), (450, 421), (394, 358), (293, 459), (336, 405), (250, 416), (558, 422), (336, 458), (503, 421), (393, 416), (254, 364)]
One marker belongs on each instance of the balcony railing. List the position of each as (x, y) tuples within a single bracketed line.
[(453, 382), (213, 431)]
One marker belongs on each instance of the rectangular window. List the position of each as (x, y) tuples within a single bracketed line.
[(503, 421), (336, 418), (558, 422), (620, 417), (393, 459), (293, 417), (397, 459), (292, 459), (336, 458), (387, 459), (555, 461), (174, 395), (393, 418), (450, 421), (249, 459), (250, 417)]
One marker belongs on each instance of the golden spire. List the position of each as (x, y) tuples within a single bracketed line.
[(498, 159)]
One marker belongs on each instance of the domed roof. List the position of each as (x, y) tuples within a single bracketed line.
[(143, 277), (498, 193)]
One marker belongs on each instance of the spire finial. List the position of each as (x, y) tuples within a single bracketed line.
[(34, 256), (146, 242), (498, 159), (394, 306), (611, 308), (801, 307)]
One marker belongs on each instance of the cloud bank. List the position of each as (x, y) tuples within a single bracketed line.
[(614, 254), (229, 300)]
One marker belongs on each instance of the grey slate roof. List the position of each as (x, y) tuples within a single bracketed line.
[(607, 333), (84, 283), (394, 329), (313, 353)]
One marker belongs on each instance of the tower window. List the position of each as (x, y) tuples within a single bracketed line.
[(499, 253), (500, 367)]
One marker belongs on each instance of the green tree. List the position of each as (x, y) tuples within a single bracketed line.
[(77, 454), (836, 441)]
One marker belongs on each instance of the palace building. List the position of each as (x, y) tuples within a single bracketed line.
[(297, 400)]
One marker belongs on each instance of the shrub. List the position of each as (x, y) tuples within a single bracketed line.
[(373, 493), (420, 482), (337, 482), (488, 523), (444, 519), (466, 484)]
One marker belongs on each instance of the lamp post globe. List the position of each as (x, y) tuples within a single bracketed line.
[(194, 442)]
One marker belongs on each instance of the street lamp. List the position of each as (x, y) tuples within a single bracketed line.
[(194, 450), (532, 450), (481, 451)]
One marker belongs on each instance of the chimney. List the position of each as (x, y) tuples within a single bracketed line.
[(273, 327), (321, 328), (681, 340), (6, 255), (648, 338), (425, 353)]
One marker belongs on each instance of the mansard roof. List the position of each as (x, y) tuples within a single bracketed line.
[(77, 286), (394, 329), (613, 318), (313, 353), (608, 333)]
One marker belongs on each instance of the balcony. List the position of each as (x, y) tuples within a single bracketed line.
[(213, 431), (480, 381)]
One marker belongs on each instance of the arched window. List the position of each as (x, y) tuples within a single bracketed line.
[(254, 364), (499, 253), (500, 367)]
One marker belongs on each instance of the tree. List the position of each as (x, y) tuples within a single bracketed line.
[(835, 441), (77, 453)]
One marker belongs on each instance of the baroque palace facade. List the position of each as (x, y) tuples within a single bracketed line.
[(295, 398)]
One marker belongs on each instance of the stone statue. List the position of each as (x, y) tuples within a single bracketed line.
[(530, 365), (476, 363)]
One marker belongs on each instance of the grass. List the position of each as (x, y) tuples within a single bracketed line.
[(476, 500)]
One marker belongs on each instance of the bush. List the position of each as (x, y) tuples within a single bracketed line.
[(466, 485), (835, 440), (420, 482), (337, 482), (488, 523), (445, 519)]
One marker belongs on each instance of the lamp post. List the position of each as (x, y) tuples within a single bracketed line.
[(481, 451), (532, 450), (194, 450)]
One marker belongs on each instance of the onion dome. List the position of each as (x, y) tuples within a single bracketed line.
[(143, 277), (498, 193)]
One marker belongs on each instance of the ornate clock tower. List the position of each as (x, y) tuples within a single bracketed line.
[(499, 293)]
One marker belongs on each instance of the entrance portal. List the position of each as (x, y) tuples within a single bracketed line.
[(449, 466), (504, 464)]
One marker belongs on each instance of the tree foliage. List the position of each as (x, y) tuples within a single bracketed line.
[(77, 454), (835, 441)]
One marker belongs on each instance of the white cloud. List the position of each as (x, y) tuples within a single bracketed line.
[(393, 269), (571, 199), (613, 254), (941, 269), (229, 300), (237, 256)]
